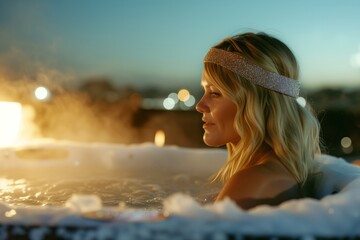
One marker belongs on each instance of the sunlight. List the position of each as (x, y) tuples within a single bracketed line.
[(10, 122)]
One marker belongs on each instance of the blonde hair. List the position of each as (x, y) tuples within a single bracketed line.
[(266, 117)]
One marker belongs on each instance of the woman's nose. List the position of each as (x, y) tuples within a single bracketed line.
[(201, 106)]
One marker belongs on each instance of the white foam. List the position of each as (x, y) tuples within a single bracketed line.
[(333, 215), (84, 203)]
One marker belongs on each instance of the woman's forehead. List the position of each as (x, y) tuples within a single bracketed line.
[(205, 83), (205, 79)]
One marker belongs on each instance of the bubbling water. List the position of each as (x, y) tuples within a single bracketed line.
[(131, 192), (49, 173)]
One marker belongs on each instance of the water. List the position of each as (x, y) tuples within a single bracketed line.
[(130, 192), (137, 176)]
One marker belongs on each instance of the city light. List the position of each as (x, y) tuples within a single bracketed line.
[(182, 100), (190, 102), (159, 139), (42, 93), (168, 103), (301, 101), (183, 95), (174, 96), (346, 144)]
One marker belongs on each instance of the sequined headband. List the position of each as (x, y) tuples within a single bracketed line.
[(252, 72)]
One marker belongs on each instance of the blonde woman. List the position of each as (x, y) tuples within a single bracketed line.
[(249, 103)]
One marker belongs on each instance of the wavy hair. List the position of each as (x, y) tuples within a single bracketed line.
[(265, 117)]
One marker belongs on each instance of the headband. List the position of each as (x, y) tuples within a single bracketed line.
[(252, 72)]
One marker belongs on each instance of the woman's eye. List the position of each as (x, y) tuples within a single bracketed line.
[(214, 94)]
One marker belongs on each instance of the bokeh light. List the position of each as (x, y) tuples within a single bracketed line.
[(42, 93), (301, 101), (346, 142), (183, 95), (346, 145), (159, 139), (174, 96), (190, 102), (169, 103)]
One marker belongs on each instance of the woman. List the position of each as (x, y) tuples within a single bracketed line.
[(249, 103)]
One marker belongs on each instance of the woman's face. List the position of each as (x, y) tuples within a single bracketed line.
[(218, 115)]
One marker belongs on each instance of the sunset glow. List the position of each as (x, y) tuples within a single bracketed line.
[(10, 122)]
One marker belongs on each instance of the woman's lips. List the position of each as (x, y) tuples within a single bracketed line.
[(208, 124)]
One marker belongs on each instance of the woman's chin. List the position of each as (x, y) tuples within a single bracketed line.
[(213, 143)]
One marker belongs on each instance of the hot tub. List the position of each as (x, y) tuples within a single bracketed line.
[(65, 190)]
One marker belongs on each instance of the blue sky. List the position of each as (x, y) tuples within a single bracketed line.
[(161, 43)]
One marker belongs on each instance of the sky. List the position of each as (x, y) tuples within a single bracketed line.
[(161, 43)]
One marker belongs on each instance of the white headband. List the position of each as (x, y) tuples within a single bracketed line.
[(252, 72)]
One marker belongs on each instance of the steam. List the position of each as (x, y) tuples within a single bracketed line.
[(74, 116), (83, 108), (70, 114)]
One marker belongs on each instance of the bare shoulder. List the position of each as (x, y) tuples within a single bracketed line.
[(265, 181), (249, 182)]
